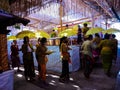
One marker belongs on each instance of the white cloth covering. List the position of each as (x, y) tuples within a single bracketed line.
[(6, 80)]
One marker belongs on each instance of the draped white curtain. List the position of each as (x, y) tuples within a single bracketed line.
[(7, 80)]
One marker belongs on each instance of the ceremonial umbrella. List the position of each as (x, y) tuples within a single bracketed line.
[(111, 30), (11, 38), (67, 33), (28, 33), (41, 33), (94, 30), (75, 28)]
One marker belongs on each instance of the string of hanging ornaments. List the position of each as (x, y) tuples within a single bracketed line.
[(25, 7)]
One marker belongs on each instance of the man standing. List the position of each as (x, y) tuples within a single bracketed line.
[(85, 29), (87, 56)]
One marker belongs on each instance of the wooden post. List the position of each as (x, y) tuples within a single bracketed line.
[(93, 18), (106, 23), (61, 14), (3, 53), (4, 4)]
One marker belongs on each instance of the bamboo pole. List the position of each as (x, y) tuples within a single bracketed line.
[(106, 23), (61, 14), (93, 17)]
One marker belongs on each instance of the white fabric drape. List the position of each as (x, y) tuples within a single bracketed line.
[(6, 80)]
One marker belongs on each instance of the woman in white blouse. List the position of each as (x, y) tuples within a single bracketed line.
[(27, 50)]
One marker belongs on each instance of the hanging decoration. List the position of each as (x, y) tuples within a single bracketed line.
[(17, 26), (26, 7), (4, 5), (47, 11)]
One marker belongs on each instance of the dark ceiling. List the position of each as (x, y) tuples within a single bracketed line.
[(110, 8), (7, 19)]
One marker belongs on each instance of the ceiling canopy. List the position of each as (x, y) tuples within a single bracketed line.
[(46, 13)]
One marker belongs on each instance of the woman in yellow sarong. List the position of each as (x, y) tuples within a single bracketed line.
[(106, 53), (41, 52)]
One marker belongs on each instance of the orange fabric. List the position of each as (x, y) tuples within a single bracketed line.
[(46, 59), (68, 56), (43, 71)]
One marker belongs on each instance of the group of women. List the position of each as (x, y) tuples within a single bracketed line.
[(40, 53)]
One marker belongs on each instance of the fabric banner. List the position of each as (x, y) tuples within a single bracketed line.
[(6, 80)]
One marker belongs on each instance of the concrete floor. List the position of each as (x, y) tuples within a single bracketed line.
[(97, 81)]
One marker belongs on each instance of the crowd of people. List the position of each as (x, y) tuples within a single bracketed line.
[(94, 48), (40, 53), (91, 49)]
